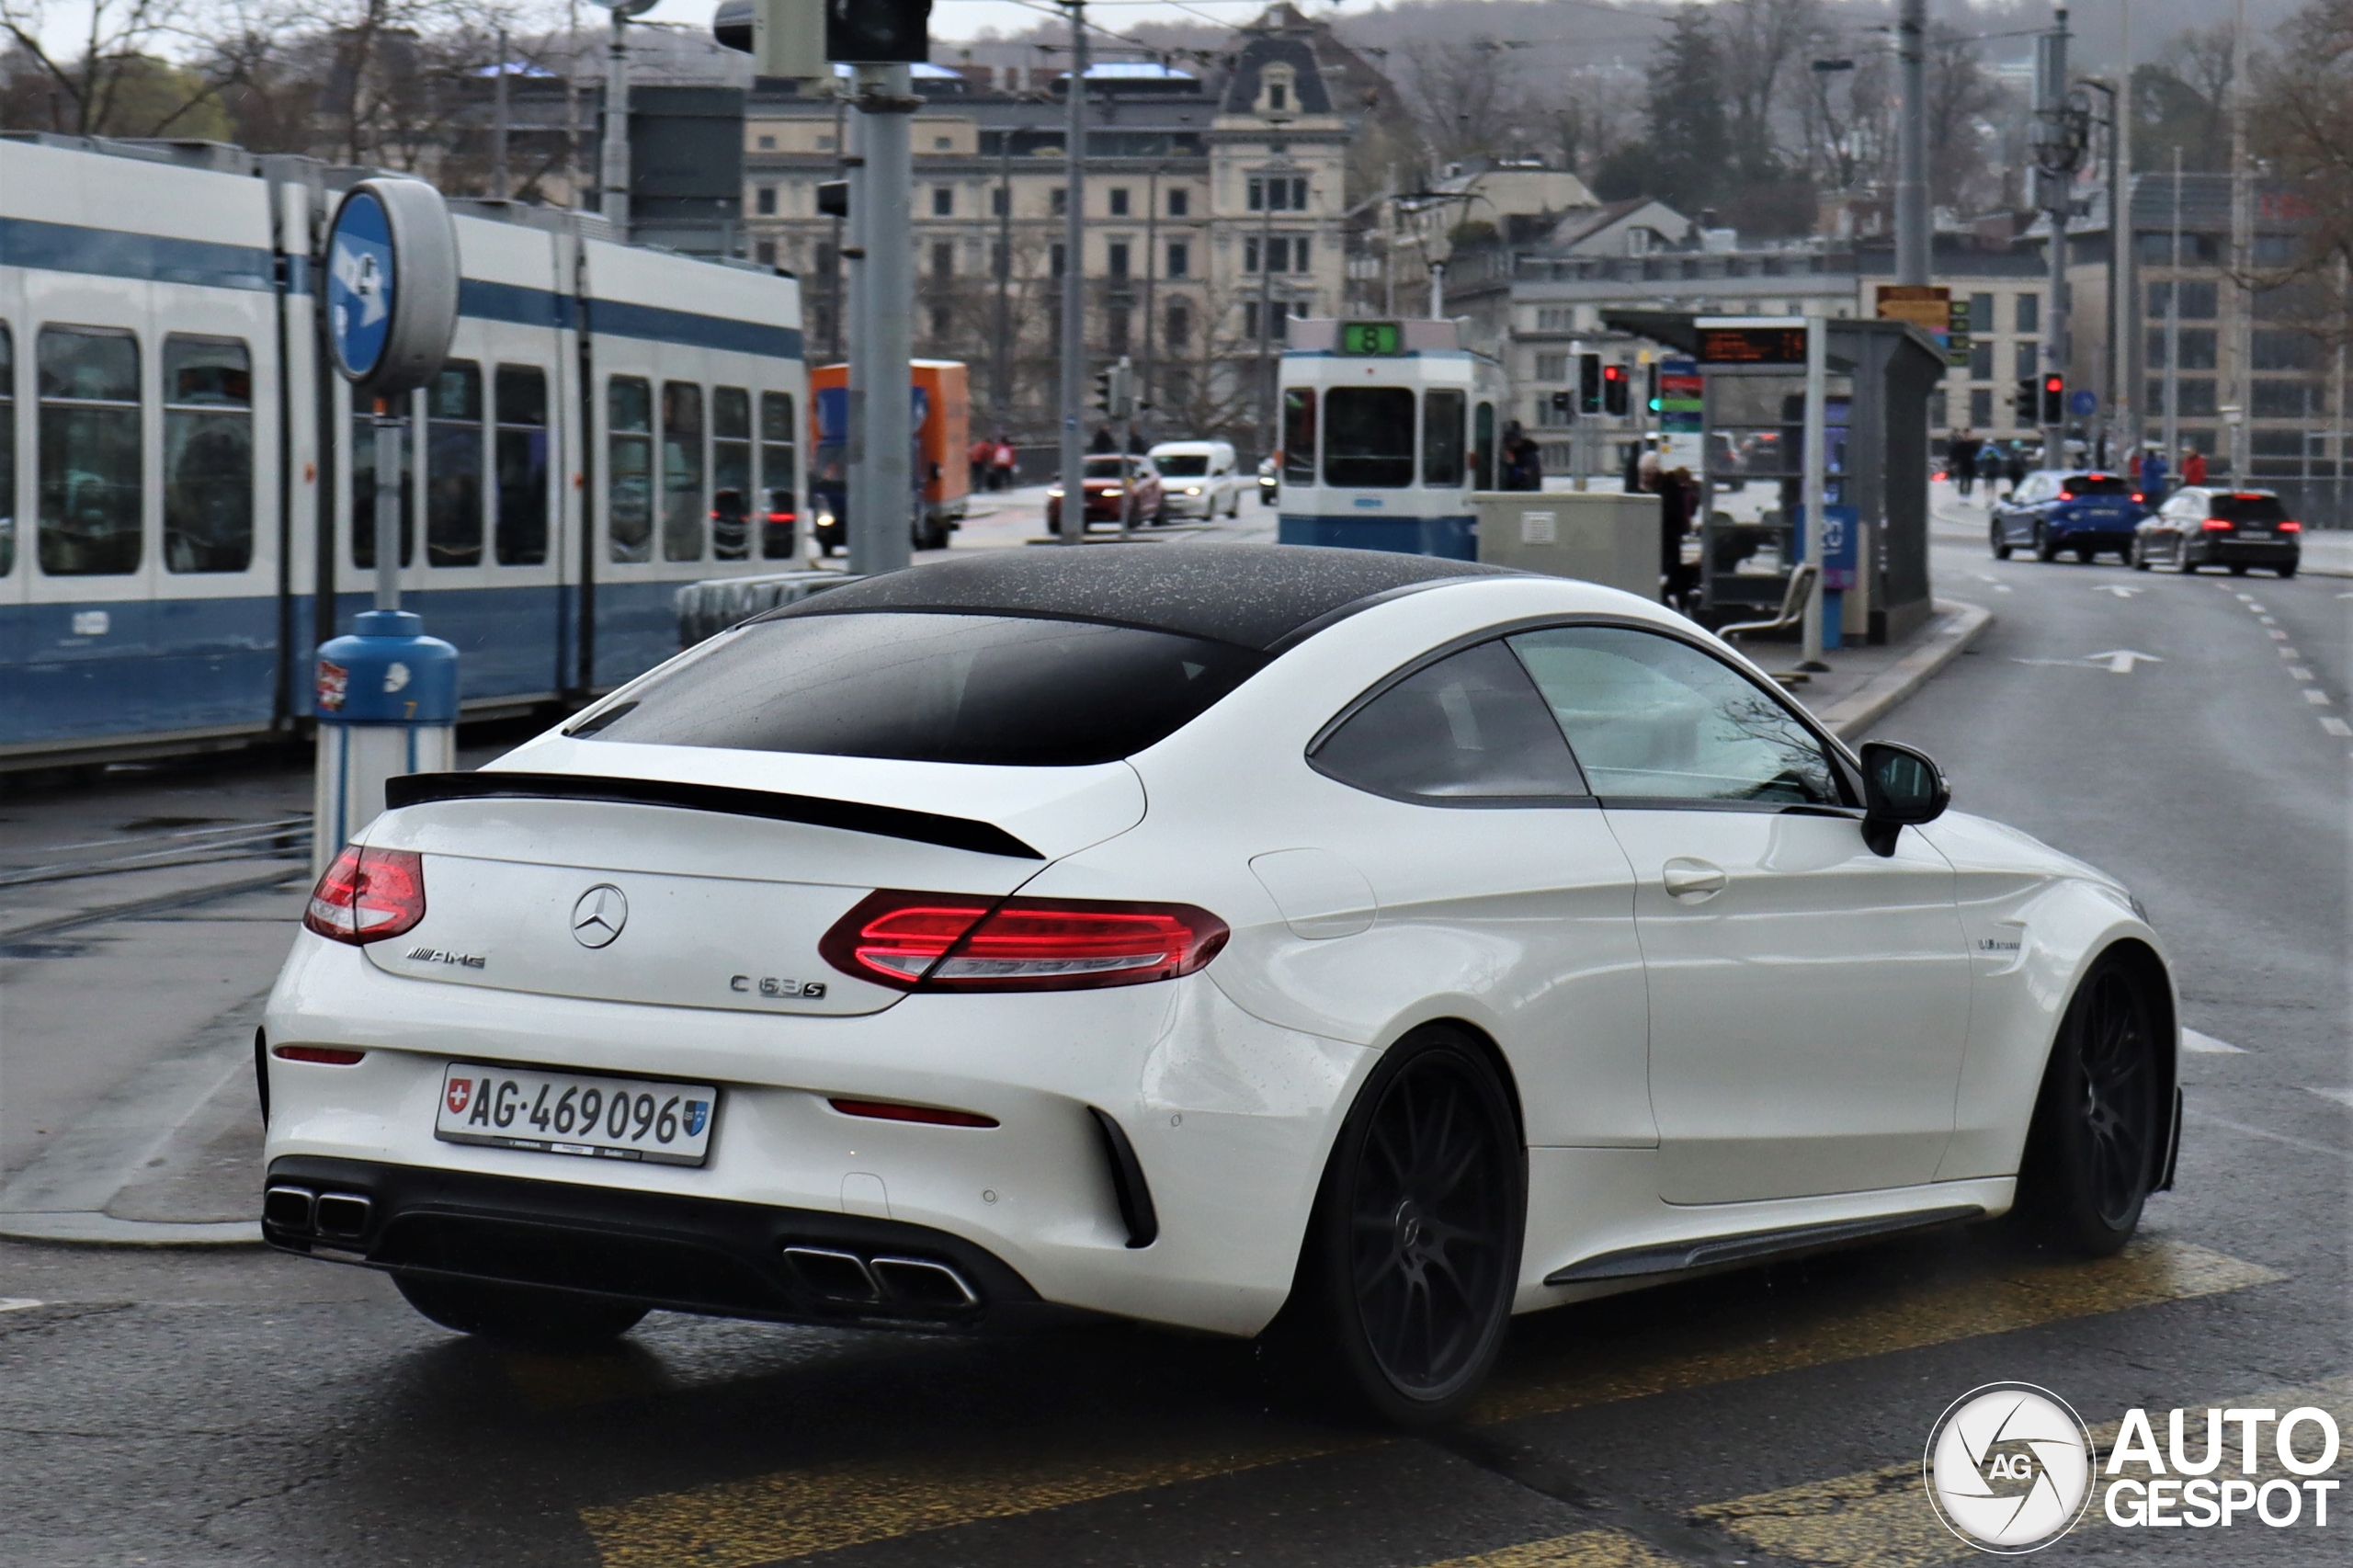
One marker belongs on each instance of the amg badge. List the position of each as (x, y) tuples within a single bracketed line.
[(442, 955)]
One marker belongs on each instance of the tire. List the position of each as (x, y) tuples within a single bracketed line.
[(519, 1314), (2001, 543), (2043, 549), (2181, 561), (2285, 571), (2093, 1153), (1405, 1281), (2140, 557), (2238, 568)]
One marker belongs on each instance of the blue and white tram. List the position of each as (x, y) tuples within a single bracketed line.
[(1388, 428), (186, 491)]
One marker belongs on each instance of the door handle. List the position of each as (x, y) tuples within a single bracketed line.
[(1694, 882)]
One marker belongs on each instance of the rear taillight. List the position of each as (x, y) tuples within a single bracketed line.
[(367, 895), (2138, 498), (2290, 528), (777, 520), (2216, 525), (325, 1055), (947, 942)]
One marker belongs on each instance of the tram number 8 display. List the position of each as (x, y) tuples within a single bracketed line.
[(1371, 337)]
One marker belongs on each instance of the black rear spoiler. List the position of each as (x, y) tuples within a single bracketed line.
[(852, 816)]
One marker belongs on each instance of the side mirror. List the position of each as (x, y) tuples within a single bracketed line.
[(1900, 785)]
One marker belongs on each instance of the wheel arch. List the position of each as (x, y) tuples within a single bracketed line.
[(2156, 981)]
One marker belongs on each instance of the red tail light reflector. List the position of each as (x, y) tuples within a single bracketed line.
[(367, 895), (2290, 528), (2216, 525), (326, 1055), (946, 942), (2138, 498), (931, 1116)]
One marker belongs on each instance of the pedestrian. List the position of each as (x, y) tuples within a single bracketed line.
[(2014, 466), (1989, 467), (2151, 481), (1646, 470), (1678, 497), (1961, 461), (2193, 466), (1523, 465), (1002, 461), (977, 462), (1104, 441)]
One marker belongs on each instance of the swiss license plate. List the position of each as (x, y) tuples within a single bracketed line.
[(2255, 533), (565, 1113)]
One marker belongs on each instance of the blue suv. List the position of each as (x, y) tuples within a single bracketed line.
[(2059, 510)]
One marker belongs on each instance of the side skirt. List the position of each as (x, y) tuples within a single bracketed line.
[(1748, 1247)]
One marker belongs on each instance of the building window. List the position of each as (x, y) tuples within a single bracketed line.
[(764, 201), (1180, 325), (1180, 203), (2028, 317), (1275, 90), (943, 201), (629, 475), (765, 253), (939, 322), (1299, 253), (1981, 408), (824, 143), (2196, 394), (1058, 203), (1279, 314), (1180, 259), (827, 258), (208, 455), (1556, 318), (2278, 350), (683, 505), (2277, 398), (767, 143), (2029, 361), (1981, 312), (1272, 194), (1058, 269), (1116, 256), (731, 473), (92, 456), (1552, 367), (520, 419), (1981, 361), (1119, 195), (1000, 201), (453, 466), (943, 260), (1116, 329), (2198, 348), (997, 259), (943, 144)]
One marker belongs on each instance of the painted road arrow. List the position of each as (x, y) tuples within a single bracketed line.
[(2120, 660), (2118, 589)]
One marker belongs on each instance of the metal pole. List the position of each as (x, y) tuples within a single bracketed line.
[(856, 322), (1151, 276), (2124, 238), (615, 202), (835, 279), (1817, 388), (388, 507), (1912, 145), (498, 125), (572, 106), (2173, 335), (880, 534), (1072, 518), (1268, 434), (2056, 197), (1001, 362), (1437, 290), (2242, 321)]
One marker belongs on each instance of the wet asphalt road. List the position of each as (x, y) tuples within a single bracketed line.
[(241, 1408)]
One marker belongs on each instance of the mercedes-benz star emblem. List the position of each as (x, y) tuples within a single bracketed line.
[(600, 915)]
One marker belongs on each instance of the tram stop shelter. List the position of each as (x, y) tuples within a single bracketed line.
[(1884, 375)]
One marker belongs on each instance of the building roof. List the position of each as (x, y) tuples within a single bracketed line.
[(1270, 49), (1583, 223)]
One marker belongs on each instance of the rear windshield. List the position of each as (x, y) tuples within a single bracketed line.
[(2250, 509), (981, 688), (1105, 468), (2094, 485), (1181, 465)]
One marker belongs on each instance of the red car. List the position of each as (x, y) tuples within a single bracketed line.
[(1115, 487)]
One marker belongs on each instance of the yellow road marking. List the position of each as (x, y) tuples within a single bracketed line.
[(1586, 1549), (768, 1518)]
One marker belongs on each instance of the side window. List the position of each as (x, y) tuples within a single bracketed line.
[(1299, 436), (682, 504), (363, 490), (1442, 439), (453, 444), (1651, 716), (7, 451), (731, 473), (519, 407), (629, 468), (779, 483), (208, 455), (91, 451), (1484, 446), (1469, 729)]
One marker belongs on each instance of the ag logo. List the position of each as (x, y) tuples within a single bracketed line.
[(462, 1090), (2009, 1468)]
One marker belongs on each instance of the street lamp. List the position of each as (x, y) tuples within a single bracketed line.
[(614, 201), (1279, 164)]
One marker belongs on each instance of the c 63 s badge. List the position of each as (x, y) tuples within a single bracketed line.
[(779, 989)]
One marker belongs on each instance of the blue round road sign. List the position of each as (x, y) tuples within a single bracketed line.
[(360, 285), (2084, 401)]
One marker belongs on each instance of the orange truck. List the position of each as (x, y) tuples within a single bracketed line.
[(942, 422)]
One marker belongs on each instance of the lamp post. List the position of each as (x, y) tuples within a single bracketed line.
[(614, 175), (1069, 515)]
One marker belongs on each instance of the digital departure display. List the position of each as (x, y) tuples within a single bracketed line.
[(1752, 346)]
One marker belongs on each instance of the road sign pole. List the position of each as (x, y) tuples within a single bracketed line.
[(1069, 517), (1817, 380), (880, 524), (388, 503)]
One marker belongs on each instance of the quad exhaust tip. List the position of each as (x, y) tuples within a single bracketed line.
[(918, 1282)]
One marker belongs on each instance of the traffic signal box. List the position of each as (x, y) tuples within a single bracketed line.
[(1614, 391), (1588, 383), (2054, 399)]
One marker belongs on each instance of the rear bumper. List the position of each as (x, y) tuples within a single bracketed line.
[(2244, 552), (693, 1254)]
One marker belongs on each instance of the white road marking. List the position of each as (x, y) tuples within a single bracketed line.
[(2270, 620), (2298, 672), (2247, 598), (1984, 578), (2282, 636), (2265, 1132), (2118, 589), (16, 1303), (2253, 606), (2207, 1045), (2335, 726), (2290, 653), (2342, 1096), (2001, 588), (2120, 660), (2316, 696)]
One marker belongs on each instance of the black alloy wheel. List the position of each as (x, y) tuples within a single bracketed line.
[(2043, 549), (1413, 1256), (2001, 541), (521, 1315), (2098, 1137), (2139, 556)]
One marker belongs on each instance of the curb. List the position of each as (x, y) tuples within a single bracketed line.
[(90, 1228), (1852, 714)]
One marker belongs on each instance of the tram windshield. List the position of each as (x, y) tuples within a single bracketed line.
[(1369, 437)]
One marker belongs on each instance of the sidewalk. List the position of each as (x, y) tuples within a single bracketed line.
[(1864, 683)]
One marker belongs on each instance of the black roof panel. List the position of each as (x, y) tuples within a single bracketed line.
[(1252, 596)]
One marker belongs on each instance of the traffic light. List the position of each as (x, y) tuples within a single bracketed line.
[(833, 198), (1651, 372), (2054, 399), (1588, 383), (2025, 402), (1115, 391), (1613, 389), (878, 32), (1564, 407)]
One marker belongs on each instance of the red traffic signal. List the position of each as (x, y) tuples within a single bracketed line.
[(1614, 389), (2055, 399)]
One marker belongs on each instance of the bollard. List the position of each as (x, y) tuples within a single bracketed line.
[(387, 705)]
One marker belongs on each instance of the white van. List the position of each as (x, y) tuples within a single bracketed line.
[(1198, 479)]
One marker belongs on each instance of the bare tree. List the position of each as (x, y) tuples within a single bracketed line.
[(117, 53), (1764, 43), (2303, 128), (1467, 97)]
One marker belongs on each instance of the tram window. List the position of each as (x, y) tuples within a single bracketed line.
[(520, 409), (7, 451), (1369, 437), (90, 451), (363, 491), (208, 455), (731, 473), (1442, 437), (629, 468), (1299, 436), (1482, 441), (682, 532), (453, 466), (778, 484)]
